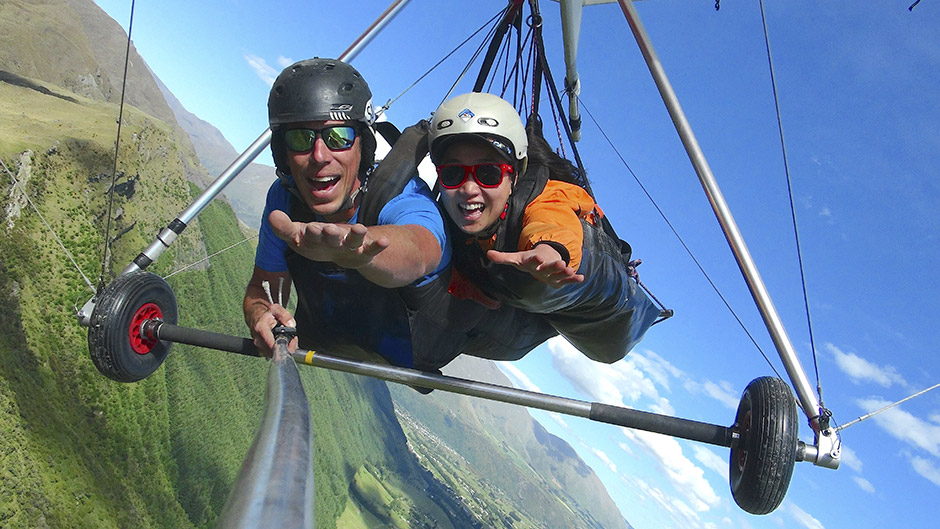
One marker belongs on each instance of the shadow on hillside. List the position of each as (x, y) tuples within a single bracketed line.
[(16, 80)]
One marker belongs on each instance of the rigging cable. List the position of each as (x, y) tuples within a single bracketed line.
[(559, 111), (885, 408), (679, 238), (117, 144), (476, 54), (206, 258), (425, 74), (52, 231), (796, 231)]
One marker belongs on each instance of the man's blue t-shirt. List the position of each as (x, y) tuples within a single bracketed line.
[(414, 205)]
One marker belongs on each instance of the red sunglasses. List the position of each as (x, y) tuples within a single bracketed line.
[(488, 175)]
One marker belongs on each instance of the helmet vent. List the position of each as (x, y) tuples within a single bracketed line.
[(488, 122)]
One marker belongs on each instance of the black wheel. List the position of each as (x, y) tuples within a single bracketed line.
[(762, 459), (118, 348)]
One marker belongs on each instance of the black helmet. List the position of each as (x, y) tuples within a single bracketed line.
[(320, 90)]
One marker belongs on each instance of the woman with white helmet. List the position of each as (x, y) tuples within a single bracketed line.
[(531, 237)]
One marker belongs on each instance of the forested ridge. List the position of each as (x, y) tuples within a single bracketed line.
[(79, 450)]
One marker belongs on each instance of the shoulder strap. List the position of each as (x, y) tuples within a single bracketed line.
[(527, 188), (394, 172)]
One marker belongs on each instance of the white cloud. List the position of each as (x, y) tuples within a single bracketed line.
[(927, 469), (603, 457), (284, 62), (558, 418), (864, 484), (615, 384), (850, 459), (861, 370), (663, 407), (674, 508), (519, 379), (655, 366), (262, 69), (638, 376), (904, 426), (711, 460), (684, 510), (626, 448), (804, 518), (688, 478), (721, 391)]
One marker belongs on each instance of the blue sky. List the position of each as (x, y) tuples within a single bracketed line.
[(857, 91)]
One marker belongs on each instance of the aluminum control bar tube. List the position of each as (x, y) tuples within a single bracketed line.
[(170, 233), (801, 384), (571, 31), (605, 413), (275, 487), (615, 415)]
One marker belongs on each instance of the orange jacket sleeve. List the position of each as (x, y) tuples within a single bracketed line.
[(555, 215)]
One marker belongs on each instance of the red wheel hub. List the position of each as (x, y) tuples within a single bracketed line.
[(139, 343)]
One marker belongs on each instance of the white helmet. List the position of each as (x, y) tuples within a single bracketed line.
[(484, 115)]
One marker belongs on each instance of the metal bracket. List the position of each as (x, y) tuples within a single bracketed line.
[(826, 452)]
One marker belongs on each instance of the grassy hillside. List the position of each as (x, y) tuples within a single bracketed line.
[(94, 453), (64, 56)]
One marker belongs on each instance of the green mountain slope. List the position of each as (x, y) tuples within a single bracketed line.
[(528, 471), (248, 190), (79, 450)]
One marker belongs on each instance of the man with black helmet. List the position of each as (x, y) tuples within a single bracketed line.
[(367, 252)]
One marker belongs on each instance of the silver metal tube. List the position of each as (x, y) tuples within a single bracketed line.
[(156, 248), (275, 487), (571, 31), (167, 236), (748, 268), (472, 388), (353, 50), (227, 176), (616, 415), (264, 139)]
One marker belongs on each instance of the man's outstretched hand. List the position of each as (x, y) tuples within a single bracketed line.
[(347, 245)]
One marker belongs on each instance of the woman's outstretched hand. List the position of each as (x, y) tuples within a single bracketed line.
[(543, 262)]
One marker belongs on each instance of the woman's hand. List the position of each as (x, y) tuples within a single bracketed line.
[(543, 262)]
